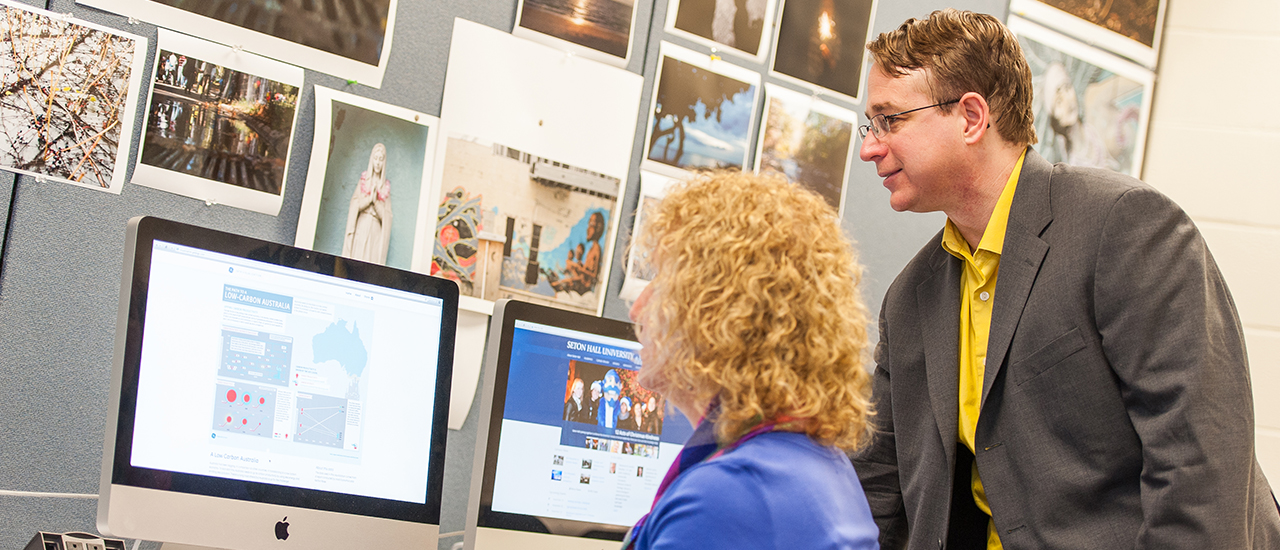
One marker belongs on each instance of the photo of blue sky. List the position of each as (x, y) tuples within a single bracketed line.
[(701, 119)]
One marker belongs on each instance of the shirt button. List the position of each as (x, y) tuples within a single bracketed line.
[(984, 296)]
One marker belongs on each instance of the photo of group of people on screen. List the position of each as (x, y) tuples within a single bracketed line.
[(611, 398), (623, 447)]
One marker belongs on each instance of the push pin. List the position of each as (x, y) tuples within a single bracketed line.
[(133, 20), (237, 48), (351, 82), (209, 202)]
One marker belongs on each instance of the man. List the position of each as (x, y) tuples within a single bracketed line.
[(573, 405), (1102, 384)]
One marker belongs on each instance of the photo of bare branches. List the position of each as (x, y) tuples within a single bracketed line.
[(67, 97)]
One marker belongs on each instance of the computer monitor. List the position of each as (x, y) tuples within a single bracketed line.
[(266, 396), (552, 470)]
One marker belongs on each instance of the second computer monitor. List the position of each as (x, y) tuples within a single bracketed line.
[(571, 448)]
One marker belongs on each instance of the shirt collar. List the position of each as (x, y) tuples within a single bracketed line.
[(993, 235)]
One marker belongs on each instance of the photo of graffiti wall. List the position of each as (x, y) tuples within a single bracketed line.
[(512, 224)]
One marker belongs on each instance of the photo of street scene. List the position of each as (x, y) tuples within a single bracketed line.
[(67, 97), (602, 25), (701, 118), (807, 142), (354, 29), (218, 124)]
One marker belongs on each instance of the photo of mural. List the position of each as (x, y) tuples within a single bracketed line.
[(702, 117), (68, 97), (602, 25), (512, 224)]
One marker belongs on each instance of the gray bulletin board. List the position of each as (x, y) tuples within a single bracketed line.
[(59, 281)]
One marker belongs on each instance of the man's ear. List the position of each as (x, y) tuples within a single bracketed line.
[(976, 114)]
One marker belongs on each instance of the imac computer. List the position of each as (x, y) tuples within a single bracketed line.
[(558, 463), (266, 396)]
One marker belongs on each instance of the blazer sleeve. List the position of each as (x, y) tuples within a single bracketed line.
[(877, 464), (1170, 330)]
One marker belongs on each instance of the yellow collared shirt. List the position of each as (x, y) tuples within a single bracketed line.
[(977, 296)]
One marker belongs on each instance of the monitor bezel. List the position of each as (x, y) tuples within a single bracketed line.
[(142, 234), (497, 364)]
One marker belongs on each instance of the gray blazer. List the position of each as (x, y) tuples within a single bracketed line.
[(1116, 408)]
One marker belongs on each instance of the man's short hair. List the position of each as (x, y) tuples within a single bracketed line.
[(963, 52)]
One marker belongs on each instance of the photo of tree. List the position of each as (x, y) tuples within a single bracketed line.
[(67, 97), (737, 24), (822, 43), (701, 118), (807, 142), (602, 25)]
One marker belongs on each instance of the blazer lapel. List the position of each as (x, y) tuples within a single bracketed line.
[(938, 306), (1020, 260)]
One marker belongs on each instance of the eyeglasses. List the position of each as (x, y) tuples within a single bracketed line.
[(880, 123)]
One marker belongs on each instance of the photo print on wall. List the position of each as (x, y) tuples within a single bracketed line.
[(367, 188), (807, 141), (219, 124), (738, 26), (535, 154), (703, 112), (1130, 28), (822, 44), (349, 39), (70, 93), (542, 223), (1091, 108), (653, 187), (597, 29)]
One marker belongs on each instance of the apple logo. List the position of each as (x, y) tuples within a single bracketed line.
[(282, 529)]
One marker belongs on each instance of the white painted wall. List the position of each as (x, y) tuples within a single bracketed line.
[(1213, 145)]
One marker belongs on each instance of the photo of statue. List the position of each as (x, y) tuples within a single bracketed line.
[(347, 204), (369, 217)]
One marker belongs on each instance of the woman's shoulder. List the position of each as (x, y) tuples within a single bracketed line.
[(776, 486)]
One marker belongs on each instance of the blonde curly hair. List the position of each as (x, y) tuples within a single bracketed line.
[(756, 301)]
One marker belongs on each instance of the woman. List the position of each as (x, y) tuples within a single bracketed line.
[(754, 329), (369, 215)]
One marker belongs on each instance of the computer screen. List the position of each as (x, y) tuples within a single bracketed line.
[(571, 447), (270, 396)]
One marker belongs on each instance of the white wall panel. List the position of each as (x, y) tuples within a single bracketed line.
[(1208, 170), (1218, 79), (1249, 263)]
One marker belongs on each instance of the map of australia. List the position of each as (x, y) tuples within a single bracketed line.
[(338, 343)]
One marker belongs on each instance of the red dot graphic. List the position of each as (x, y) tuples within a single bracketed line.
[(228, 420), (245, 421), (262, 401), (231, 395), (246, 398)]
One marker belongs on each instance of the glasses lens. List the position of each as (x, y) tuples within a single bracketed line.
[(880, 125)]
